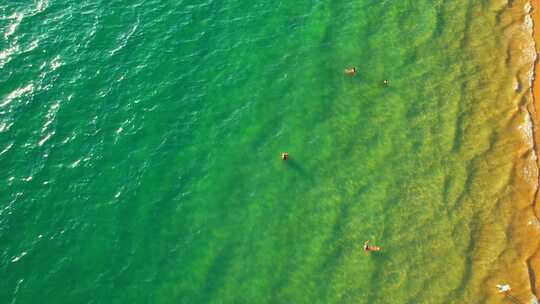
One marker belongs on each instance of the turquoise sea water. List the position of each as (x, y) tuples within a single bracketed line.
[(140, 151)]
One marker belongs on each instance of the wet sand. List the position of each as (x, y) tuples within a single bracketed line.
[(533, 262), (519, 265)]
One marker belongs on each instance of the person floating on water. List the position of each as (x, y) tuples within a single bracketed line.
[(504, 288), (284, 156), (368, 248), (350, 71)]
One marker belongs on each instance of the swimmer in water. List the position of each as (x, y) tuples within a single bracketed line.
[(504, 288), (351, 71), (284, 156), (385, 82), (368, 248)]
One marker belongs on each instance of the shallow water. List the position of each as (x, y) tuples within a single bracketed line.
[(140, 143)]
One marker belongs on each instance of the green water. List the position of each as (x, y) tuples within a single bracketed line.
[(140, 150)]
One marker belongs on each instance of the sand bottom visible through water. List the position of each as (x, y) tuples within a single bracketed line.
[(140, 145)]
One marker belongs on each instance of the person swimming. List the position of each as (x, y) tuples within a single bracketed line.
[(284, 156), (503, 288), (385, 82), (368, 248), (350, 71)]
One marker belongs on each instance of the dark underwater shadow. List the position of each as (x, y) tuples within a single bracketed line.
[(296, 166)]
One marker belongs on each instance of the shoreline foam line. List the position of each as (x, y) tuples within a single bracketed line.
[(535, 88)]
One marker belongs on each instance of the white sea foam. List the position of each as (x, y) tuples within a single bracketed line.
[(124, 38), (68, 139), (34, 44), (529, 22), (527, 59), (6, 208), (530, 169), (47, 123), (4, 126), (51, 115), (56, 63), (44, 139), (534, 222), (531, 49), (75, 164), (42, 5), (526, 129), (6, 149), (16, 291), (17, 258), (17, 18), (13, 26), (53, 108), (5, 55), (28, 89), (531, 76), (527, 8)]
